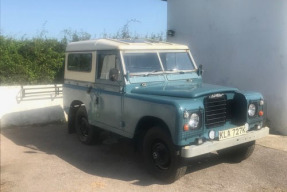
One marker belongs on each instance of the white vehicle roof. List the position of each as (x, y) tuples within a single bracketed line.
[(122, 44)]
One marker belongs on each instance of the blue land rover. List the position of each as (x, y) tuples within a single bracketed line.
[(153, 92)]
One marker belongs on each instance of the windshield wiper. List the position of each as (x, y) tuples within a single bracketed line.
[(175, 71), (152, 72)]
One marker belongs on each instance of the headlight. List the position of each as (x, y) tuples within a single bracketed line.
[(251, 110), (194, 120)]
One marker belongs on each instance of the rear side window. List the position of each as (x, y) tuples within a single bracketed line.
[(80, 62)]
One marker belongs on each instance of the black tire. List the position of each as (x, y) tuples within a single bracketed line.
[(161, 157), (238, 153), (85, 131)]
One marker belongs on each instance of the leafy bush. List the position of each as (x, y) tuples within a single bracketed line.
[(34, 61)]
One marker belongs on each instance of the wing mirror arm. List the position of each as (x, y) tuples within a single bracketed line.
[(199, 70), (127, 76)]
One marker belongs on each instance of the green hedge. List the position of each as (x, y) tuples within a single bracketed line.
[(31, 61)]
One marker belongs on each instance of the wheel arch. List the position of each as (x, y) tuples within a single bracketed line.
[(144, 124)]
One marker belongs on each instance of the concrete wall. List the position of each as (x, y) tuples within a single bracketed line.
[(241, 43), (36, 109)]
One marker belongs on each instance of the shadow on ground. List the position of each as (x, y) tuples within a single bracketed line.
[(116, 160)]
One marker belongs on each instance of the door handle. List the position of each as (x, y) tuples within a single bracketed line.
[(97, 100), (89, 89)]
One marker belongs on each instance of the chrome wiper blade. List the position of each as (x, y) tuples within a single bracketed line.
[(174, 71), (152, 72)]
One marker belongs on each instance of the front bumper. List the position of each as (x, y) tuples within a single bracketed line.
[(211, 146)]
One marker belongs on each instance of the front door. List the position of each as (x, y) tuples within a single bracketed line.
[(107, 95)]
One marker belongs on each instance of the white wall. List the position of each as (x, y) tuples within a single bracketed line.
[(241, 43), (31, 110)]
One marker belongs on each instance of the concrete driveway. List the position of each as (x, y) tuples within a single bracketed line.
[(46, 158)]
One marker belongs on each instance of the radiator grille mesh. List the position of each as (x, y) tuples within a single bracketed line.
[(215, 110)]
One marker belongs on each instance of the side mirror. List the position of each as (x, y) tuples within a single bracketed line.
[(114, 74), (199, 70)]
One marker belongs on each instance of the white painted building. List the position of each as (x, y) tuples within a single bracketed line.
[(240, 43)]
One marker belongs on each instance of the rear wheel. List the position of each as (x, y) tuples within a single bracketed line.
[(238, 153), (84, 130), (161, 156)]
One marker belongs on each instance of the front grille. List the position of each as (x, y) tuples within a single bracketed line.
[(215, 110)]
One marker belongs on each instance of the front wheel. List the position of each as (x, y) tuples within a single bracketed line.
[(161, 156), (238, 153), (84, 130)]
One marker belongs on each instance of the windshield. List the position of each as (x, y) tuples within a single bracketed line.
[(157, 62), (142, 62), (176, 61)]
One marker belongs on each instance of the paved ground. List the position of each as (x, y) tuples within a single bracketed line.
[(46, 158)]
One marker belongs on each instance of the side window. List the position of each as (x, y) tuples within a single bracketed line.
[(80, 62), (106, 62)]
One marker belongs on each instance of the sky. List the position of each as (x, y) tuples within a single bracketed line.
[(28, 18)]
